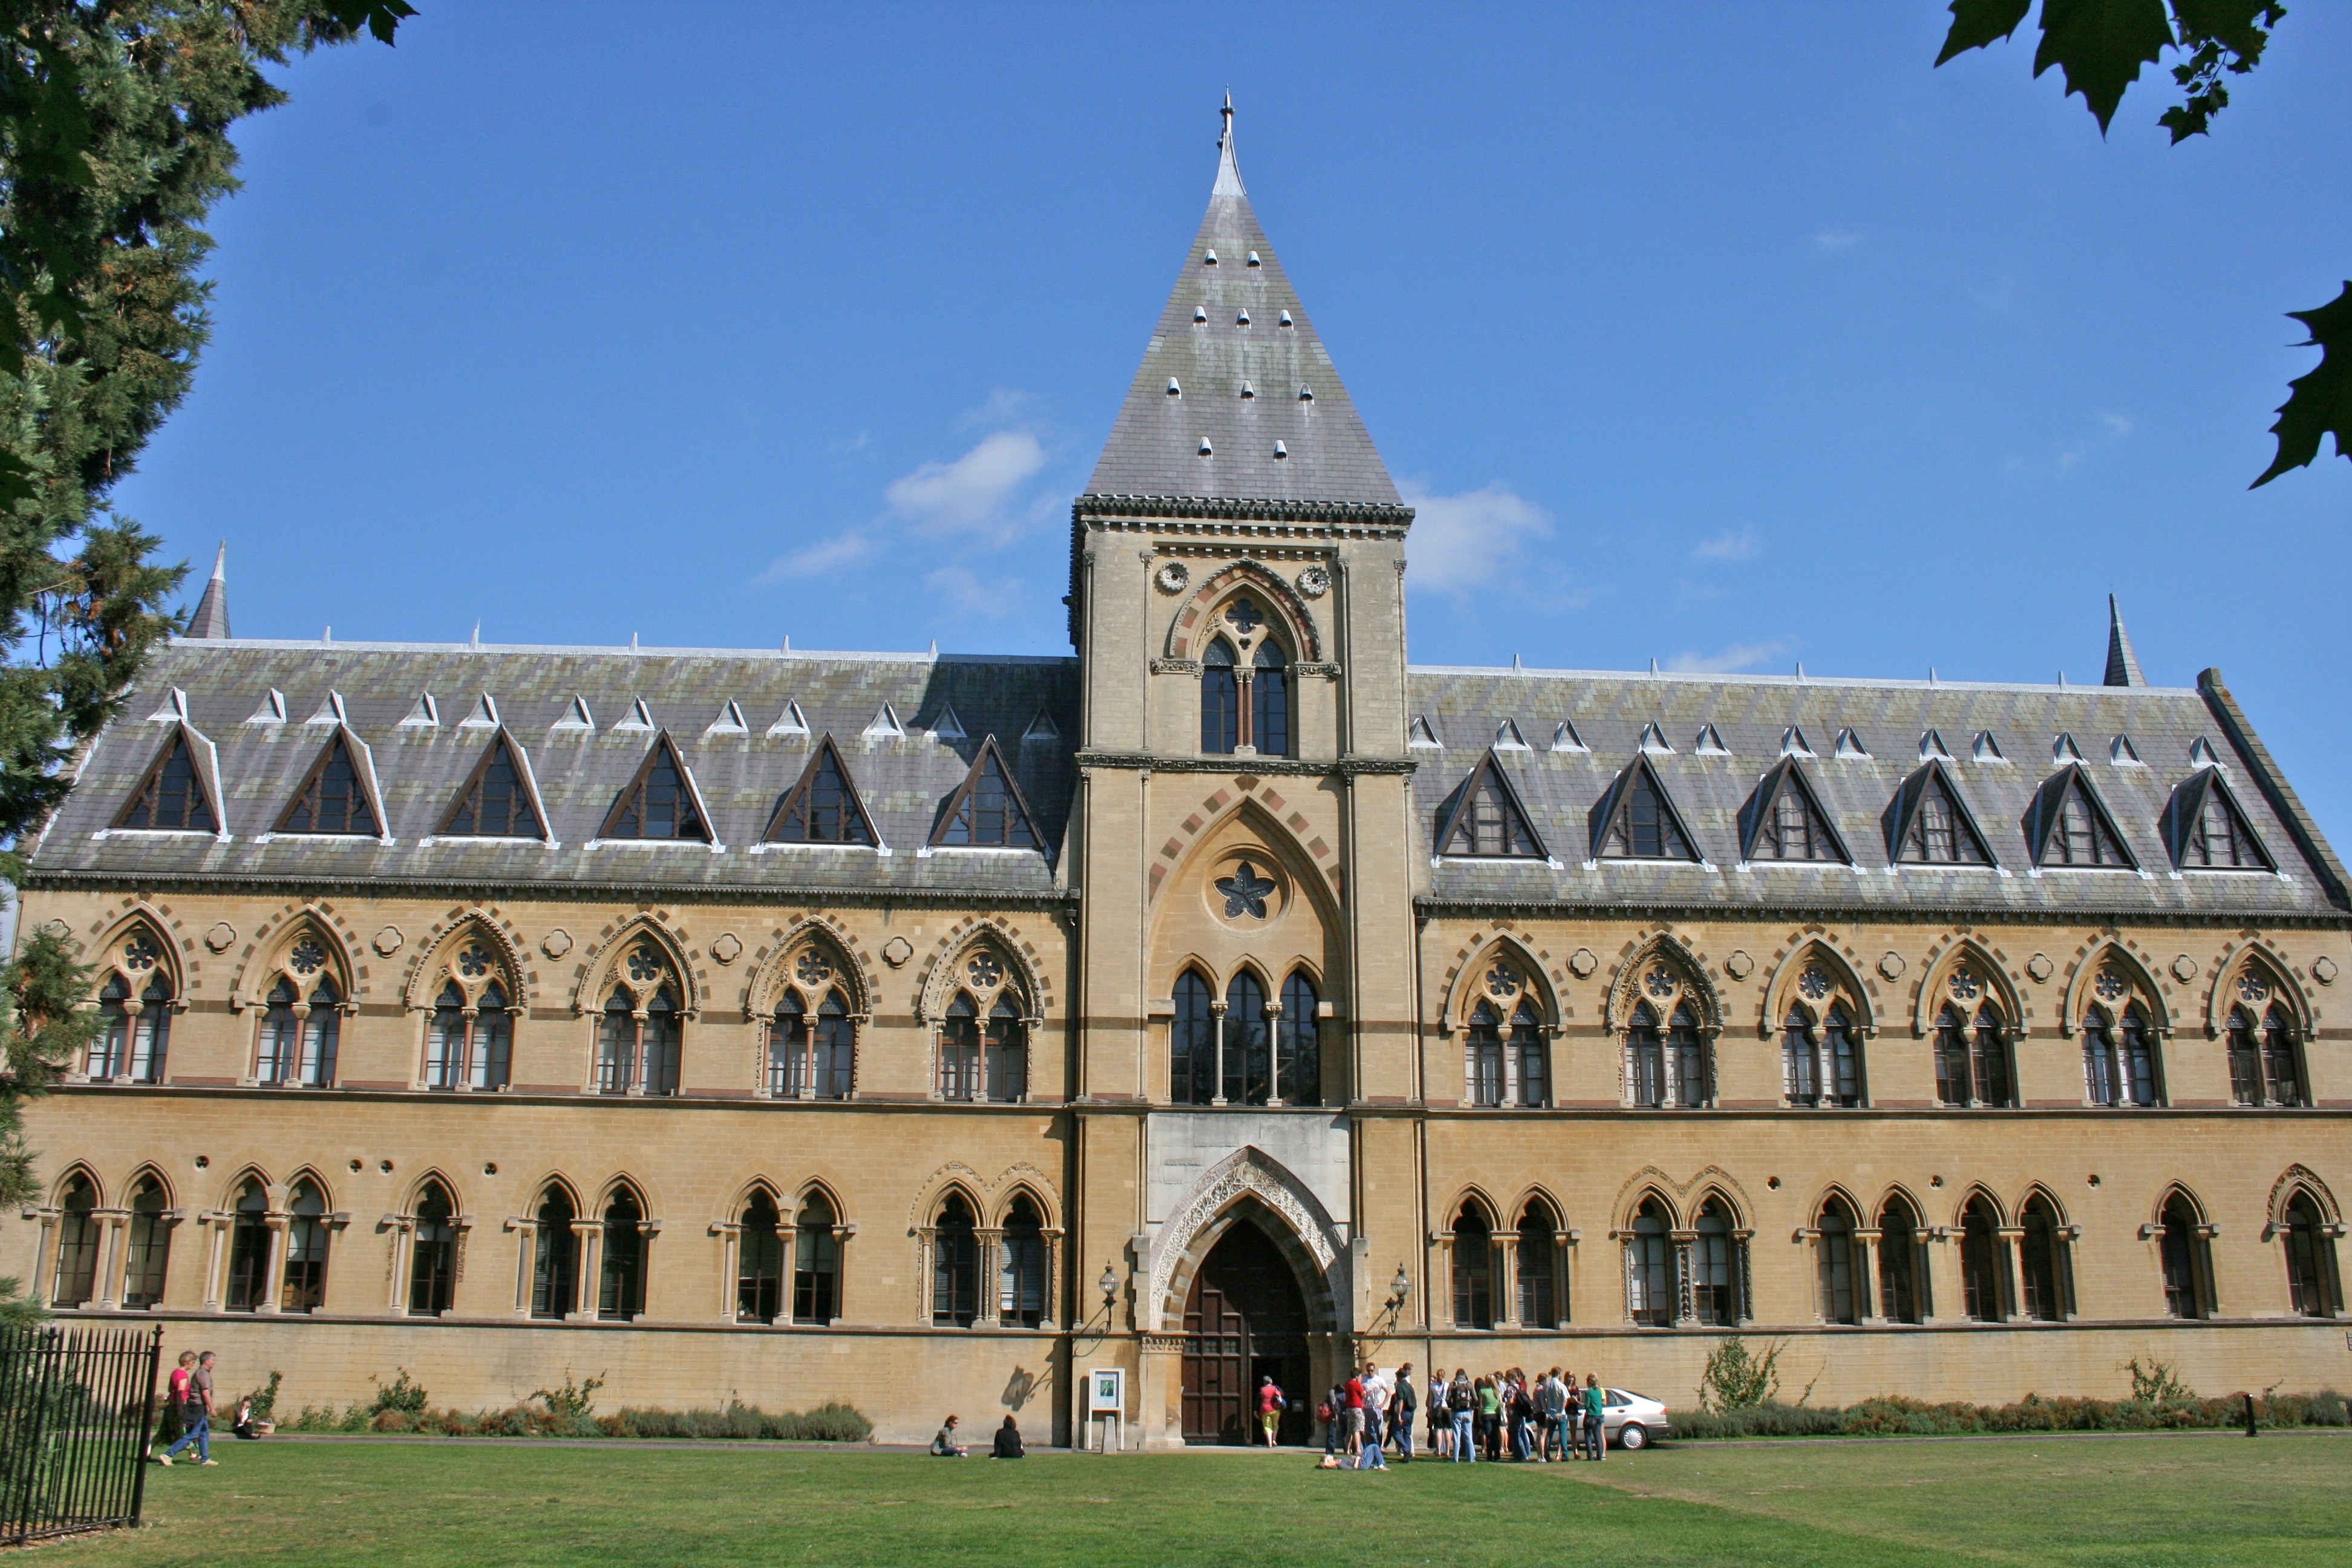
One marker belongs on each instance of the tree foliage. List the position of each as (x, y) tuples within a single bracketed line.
[(2100, 46)]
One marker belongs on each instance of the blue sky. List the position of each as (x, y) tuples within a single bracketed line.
[(1725, 335)]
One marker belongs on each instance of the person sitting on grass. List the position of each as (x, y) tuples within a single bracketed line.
[(944, 1446), (1008, 1442)]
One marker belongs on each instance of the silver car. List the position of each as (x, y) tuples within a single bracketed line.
[(1633, 1421)]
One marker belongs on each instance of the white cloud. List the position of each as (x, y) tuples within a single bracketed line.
[(962, 591), (1731, 544), (1724, 662), (1832, 243), (1001, 407), (969, 495), (829, 555), (2117, 425), (1466, 541)]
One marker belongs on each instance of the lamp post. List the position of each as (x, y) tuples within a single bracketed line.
[(1109, 1286), (1400, 1288)]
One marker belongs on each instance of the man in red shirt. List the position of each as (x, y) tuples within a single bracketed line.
[(1356, 1415)]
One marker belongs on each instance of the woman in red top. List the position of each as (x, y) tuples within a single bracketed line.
[(1270, 1406)]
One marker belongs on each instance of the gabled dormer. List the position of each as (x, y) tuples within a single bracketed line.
[(500, 798), (180, 793), (338, 797), (1486, 819), (1784, 820), (1637, 819), (2068, 826), (1928, 823), (661, 802), (821, 806), (2205, 829), (986, 810)]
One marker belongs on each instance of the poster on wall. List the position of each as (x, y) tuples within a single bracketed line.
[(1107, 1391)]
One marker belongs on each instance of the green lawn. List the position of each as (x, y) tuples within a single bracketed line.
[(2282, 1499)]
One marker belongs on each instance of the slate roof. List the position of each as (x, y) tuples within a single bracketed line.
[(740, 776), (1155, 448), (1562, 788)]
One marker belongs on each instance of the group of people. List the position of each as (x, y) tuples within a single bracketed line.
[(1007, 1445), (1499, 1414)]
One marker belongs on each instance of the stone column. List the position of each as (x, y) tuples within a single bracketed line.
[(273, 1274), (649, 1238), (401, 1232), (587, 1241), (988, 1242), (1505, 1275), (730, 1241), (527, 1232), (1050, 1249), (2013, 1256), (112, 1257), (218, 1224), (1274, 1051), (1866, 1287), (1217, 1024), (1682, 1305)]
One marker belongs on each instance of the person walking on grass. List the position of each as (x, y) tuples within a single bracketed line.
[(1465, 1403), (196, 1411), (1596, 1429), (1270, 1406)]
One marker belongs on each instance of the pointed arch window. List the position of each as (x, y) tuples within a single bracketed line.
[(637, 1050), (1536, 1265), (1486, 819), (1932, 826), (77, 1243), (248, 1249), (2313, 1288), (816, 1262), (299, 1037), (149, 1260), (1247, 1046), (133, 1037), (1297, 1050), (1269, 701), (2119, 1065), (2048, 1284), (1902, 1264), (1020, 1268), (660, 801), (1839, 1282), (987, 808), (1973, 1058), (496, 801), (1192, 1042), (1474, 1269), (955, 1264), (555, 1258), (2283, 1083), (1485, 1050), (433, 1255), (1649, 1268), (1715, 1267), (822, 806), (334, 798), (1220, 725), (173, 796), (1638, 820), (811, 1057), (758, 1262), (2186, 1256), (469, 1044), (305, 1290), (1665, 1068), (1984, 1264), (621, 1287)]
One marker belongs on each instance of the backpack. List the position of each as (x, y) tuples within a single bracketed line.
[(1323, 1411)]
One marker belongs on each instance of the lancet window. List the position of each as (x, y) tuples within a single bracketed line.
[(301, 1020), (1650, 1266), (78, 1236), (555, 1258), (1473, 1269), (1984, 1263), (638, 1035), (2315, 1290), (1716, 1269), (1020, 1267), (433, 1254), (983, 1041), (307, 1241), (1837, 1265), (1902, 1263), (2043, 1254), (1299, 1052), (248, 1249), (149, 1260), (759, 1261), (2185, 1254), (621, 1283), (1542, 1303), (816, 1262), (135, 1008), (1667, 1050), (955, 1264), (1244, 686)]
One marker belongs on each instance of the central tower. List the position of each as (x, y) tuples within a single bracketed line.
[(1245, 837)]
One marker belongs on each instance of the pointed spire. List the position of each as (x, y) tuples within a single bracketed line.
[(210, 619), (2123, 665), (1234, 319)]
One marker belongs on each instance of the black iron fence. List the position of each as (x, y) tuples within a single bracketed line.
[(76, 1408)]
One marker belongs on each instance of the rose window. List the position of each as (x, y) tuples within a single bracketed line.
[(308, 957), (1244, 892), (985, 970), (139, 954), (2252, 987), (2109, 985), (1660, 983), (1243, 617), (1502, 981), (1965, 983), (812, 968), (474, 963), (645, 964), (1814, 983)]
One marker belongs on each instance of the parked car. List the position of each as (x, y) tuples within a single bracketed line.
[(1632, 1420)]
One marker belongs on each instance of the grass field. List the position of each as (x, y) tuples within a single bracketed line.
[(2280, 1501)]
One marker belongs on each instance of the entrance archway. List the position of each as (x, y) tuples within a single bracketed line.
[(1244, 1319)]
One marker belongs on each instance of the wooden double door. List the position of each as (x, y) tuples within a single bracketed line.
[(1246, 1320)]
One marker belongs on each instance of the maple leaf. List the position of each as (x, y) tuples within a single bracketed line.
[(2320, 401)]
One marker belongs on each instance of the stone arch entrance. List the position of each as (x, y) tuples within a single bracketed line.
[(1245, 1319)]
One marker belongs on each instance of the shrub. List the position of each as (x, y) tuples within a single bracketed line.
[(264, 1398), (572, 1409), (400, 1396), (1736, 1377), (2172, 1408), (830, 1423), (2157, 1383)]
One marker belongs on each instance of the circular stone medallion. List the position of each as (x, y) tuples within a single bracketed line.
[(1244, 888), (2184, 968), (219, 937), (1891, 965), (727, 949), (2040, 967), (1171, 578), (1315, 582), (556, 943), (387, 941), (1581, 963), (1738, 966), (2323, 970), (897, 951)]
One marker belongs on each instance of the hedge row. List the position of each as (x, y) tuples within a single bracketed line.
[(831, 1422), (1916, 1418)]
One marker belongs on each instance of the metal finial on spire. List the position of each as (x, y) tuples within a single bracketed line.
[(1229, 173)]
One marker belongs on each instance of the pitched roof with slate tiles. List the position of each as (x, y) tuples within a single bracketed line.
[(580, 772), (1753, 714), (1236, 398)]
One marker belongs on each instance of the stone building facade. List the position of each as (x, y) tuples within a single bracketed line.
[(1231, 998)]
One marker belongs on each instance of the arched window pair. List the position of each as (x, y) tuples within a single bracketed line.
[(2264, 1065), (470, 1042), (134, 1008), (811, 1057), (303, 1287), (1821, 1066), (302, 1019), (983, 1057), (813, 1245), (960, 1269), (1508, 1064), (637, 1035), (2119, 1059), (1666, 1067), (1243, 1051), (1244, 694), (618, 1242), (1713, 1265), (1972, 1066), (1539, 1274)]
